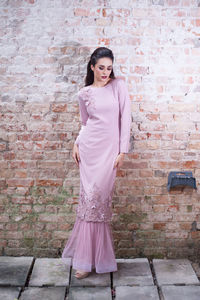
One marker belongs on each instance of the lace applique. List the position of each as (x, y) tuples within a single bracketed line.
[(92, 207), (87, 95)]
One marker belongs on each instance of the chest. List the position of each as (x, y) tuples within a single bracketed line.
[(102, 102)]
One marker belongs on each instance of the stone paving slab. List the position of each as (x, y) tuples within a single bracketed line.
[(41, 293), (132, 272), (94, 279), (14, 270), (50, 271), (191, 292), (49, 280), (196, 268), (136, 293), (9, 293), (174, 271), (90, 293)]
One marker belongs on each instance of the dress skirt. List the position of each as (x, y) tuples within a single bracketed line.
[(91, 247)]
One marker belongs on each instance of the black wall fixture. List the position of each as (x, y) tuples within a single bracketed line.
[(181, 178)]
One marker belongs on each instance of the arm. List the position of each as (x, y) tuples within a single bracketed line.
[(83, 117), (125, 116)]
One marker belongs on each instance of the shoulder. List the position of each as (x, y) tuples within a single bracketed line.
[(83, 93), (119, 83)]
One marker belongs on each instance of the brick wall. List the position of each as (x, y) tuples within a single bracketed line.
[(45, 46)]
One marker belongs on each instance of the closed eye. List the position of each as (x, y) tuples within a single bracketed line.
[(109, 68)]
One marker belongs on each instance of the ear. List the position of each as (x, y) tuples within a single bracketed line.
[(92, 67)]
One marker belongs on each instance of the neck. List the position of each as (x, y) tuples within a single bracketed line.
[(96, 84)]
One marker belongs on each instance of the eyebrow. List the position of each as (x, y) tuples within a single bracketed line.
[(104, 66)]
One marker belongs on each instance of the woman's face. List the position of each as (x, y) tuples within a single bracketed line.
[(102, 69)]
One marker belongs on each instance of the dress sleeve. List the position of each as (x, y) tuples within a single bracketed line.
[(83, 116), (124, 116)]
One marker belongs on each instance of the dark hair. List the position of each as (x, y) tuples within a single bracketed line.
[(98, 53)]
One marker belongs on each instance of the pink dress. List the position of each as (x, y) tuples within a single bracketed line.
[(105, 132)]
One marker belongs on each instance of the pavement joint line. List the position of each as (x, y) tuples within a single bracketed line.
[(181, 284), (196, 271), (70, 275), (111, 286), (28, 278), (160, 294), (68, 288), (66, 293)]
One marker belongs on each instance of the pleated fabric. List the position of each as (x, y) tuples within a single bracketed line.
[(91, 246)]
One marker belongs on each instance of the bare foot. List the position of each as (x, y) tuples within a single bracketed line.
[(81, 274)]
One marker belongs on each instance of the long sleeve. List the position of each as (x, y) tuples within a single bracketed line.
[(83, 117), (125, 116)]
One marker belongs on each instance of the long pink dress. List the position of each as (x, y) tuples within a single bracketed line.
[(105, 132)]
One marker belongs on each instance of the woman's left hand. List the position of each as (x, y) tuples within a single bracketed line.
[(119, 160)]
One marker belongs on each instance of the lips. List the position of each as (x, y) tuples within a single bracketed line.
[(104, 77)]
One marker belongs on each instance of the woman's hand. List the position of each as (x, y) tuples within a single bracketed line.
[(119, 160), (75, 154)]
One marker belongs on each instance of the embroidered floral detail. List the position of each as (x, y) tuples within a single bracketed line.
[(92, 206), (87, 95)]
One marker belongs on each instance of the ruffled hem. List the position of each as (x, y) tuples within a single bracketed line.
[(91, 247)]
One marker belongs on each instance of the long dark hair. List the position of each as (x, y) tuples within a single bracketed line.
[(98, 53)]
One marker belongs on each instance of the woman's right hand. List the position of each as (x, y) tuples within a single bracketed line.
[(75, 154)]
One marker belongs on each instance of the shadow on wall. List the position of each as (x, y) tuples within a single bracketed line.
[(72, 60)]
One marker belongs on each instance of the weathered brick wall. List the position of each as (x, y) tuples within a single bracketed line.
[(45, 46)]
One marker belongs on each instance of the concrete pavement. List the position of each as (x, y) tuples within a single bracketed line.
[(29, 278)]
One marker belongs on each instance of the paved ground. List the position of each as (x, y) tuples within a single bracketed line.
[(29, 278)]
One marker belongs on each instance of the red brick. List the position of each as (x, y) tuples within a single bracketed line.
[(194, 145), (26, 208), (20, 182), (141, 70), (19, 164), (104, 41), (136, 165), (4, 218), (14, 235), (153, 117), (42, 235), (159, 226), (198, 22), (48, 217), (173, 2), (24, 137), (2, 146), (2, 183), (59, 107), (49, 182), (9, 155), (21, 174), (146, 173), (195, 234), (3, 243), (82, 12), (50, 164), (133, 226), (191, 164)]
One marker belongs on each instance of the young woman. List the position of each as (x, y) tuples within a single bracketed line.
[(99, 150)]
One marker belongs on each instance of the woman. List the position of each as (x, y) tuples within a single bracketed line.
[(99, 150)]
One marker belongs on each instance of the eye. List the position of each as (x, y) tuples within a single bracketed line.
[(101, 68)]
